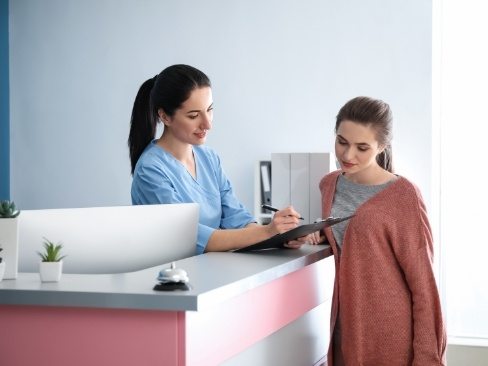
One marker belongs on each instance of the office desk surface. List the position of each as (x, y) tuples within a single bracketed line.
[(214, 278)]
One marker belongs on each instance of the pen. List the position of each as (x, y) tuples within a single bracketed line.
[(274, 209)]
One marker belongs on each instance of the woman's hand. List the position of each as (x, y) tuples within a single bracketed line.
[(283, 220), (316, 238), (312, 239), (294, 244)]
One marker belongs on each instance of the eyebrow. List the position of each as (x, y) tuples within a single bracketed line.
[(198, 110), (358, 143)]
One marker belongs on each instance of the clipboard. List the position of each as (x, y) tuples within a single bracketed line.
[(279, 240)]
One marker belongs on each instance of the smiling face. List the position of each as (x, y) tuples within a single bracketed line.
[(191, 122), (356, 148)]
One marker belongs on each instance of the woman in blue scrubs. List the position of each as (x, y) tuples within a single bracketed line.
[(177, 168)]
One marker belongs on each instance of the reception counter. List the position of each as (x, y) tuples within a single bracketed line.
[(239, 305)]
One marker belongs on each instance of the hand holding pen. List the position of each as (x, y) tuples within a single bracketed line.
[(274, 209), (283, 220), (313, 239)]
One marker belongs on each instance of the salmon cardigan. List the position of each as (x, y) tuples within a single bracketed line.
[(384, 286)]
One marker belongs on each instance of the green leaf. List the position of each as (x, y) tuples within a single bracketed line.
[(8, 210), (52, 252)]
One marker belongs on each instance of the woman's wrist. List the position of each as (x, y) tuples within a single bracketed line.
[(271, 229)]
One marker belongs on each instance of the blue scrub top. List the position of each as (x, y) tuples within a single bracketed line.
[(160, 178)]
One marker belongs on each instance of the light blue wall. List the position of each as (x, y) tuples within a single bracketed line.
[(280, 72), (4, 104)]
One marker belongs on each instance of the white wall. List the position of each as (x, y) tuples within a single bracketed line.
[(280, 71)]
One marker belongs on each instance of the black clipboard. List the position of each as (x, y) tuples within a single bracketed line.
[(278, 241)]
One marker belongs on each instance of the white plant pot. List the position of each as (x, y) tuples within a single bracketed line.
[(2, 270), (9, 241), (50, 271)]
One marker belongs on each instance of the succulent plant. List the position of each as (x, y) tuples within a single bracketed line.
[(8, 210), (52, 252)]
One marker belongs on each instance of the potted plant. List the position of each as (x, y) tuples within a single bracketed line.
[(51, 266), (2, 266), (9, 237)]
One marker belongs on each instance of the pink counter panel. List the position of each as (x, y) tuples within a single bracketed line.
[(228, 319)]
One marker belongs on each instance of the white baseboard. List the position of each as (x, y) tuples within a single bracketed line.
[(468, 341)]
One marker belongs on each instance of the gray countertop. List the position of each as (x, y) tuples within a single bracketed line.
[(214, 278)]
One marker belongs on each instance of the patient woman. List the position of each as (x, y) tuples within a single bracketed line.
[(178, 168), (385, 309)]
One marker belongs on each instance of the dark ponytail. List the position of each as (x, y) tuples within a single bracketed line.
[(385, 159), (142, 123), (166, 91)]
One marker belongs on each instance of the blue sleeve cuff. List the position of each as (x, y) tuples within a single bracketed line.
[(203, 236)]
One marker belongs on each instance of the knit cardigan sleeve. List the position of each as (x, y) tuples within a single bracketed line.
[(413, 248)]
